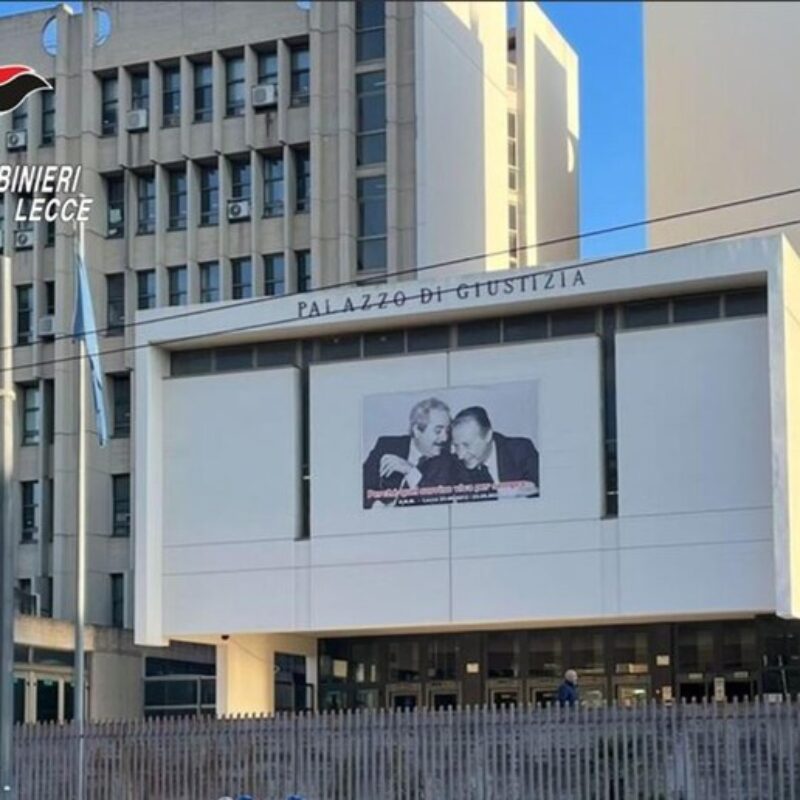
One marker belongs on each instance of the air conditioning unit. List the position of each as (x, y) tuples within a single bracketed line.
[(47, 327), (16, 140), (238, 209), (136, 120), (23, 240), (264, 95)]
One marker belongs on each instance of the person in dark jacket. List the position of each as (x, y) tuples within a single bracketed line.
[(505, 464), (417, 460), (568, 694)]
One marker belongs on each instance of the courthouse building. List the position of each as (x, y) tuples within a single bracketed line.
[(616, 450), (233, 151)]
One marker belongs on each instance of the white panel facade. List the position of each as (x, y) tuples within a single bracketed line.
[(695, 482)]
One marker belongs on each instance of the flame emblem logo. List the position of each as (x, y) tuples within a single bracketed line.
[(17, 81)]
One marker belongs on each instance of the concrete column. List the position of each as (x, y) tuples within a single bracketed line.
[(218, 92), (246, 670)]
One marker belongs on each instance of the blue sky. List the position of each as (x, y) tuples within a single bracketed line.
[(607, 36)]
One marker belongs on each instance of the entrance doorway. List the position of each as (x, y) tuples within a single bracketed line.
[(443, 694), (504, 693), (403, 697)]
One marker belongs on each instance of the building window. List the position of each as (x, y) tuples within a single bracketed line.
[(209, 282), (50, 297), (24, 205), (176, 278), (146, 204), (30, 414), (121, 395), (209, 195), (268, 69), (234, 86), (242, 278), (50, 422), (115, 208), (177, 200), (171, 96), (302, 165), (370, 24), (371, 118), (203, 92), (140, 91), (240, 180), (115, 304), (513, 240), (117, 600), (108, 106), (303, 264), (49, 233), (30, 510), (274, 274), (19, 117), (121, 504), (371, 245), (145, 289), (273, 186), (301, 84), (512, 151), (24, 314), (178, 688), (48, 116)]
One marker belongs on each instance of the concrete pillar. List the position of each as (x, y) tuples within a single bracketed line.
[(246, 670)]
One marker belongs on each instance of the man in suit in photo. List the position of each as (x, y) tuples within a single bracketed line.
[(418, 459), (490, 459)]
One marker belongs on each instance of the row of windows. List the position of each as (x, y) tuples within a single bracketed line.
[(37, 409), (203, 88), (370, 46), (521, 328), (31, 504), (47, 119), (242, 287), (274, 204)]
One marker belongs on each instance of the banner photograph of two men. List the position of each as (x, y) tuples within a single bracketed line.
[(454, 445)]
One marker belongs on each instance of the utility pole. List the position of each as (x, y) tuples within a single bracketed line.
[(7, 549)]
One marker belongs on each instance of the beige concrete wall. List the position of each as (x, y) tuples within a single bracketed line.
[(722, 119), (246, 670), (548, 124)]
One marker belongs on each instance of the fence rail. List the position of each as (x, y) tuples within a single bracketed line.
[(745, 751)]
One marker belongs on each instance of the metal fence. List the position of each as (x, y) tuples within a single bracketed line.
[(693, 752)]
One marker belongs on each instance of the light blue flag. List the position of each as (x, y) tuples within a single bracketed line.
[(84, 327)]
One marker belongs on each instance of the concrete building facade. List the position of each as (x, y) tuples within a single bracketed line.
[(637, 516), (236, 150), (720, 118)]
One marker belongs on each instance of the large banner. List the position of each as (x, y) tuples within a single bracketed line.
[(455, 445)]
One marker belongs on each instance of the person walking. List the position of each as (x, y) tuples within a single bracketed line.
[(568, 694)]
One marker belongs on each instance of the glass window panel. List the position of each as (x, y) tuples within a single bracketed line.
[(745, 303), (526, 327), (696, 308), (641, 315), (484, 331), (404, 661)]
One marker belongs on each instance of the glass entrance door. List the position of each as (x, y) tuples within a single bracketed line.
[(504, 693), (403, 696), (632, 691), (443, 694)]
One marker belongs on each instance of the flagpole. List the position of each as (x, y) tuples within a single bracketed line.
[(79, 691)]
